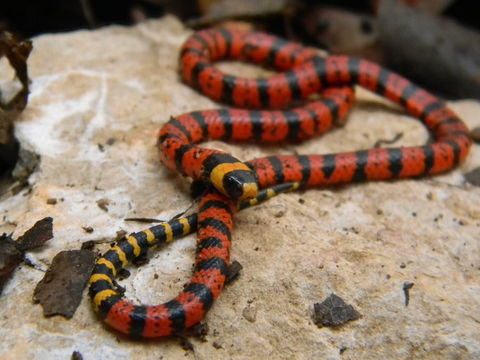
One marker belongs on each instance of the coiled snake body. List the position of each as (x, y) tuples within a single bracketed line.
[(302, 73)]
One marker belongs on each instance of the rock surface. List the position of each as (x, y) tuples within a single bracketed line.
[(98, 99)]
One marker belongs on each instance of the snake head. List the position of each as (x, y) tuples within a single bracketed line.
[(240, 184), (230, 176)]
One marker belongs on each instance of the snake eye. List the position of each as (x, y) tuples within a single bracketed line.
[(240, 184)]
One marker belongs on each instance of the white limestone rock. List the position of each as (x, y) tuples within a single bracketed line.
[(98, 100)]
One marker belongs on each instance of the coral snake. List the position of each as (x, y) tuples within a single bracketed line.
[(302, 74)]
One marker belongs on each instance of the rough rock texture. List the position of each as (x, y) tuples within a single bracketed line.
[(98, 99)]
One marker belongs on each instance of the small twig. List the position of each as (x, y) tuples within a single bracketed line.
[(406, 290), (145, 220), (381, 142)]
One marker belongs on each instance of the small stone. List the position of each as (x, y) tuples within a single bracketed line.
[(250, 313), (217, 345), (77, 355), (87, 229), (111, 141), (103, 204), (333, 311)]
